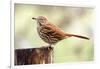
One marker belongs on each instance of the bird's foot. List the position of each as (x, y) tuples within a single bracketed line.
[(50, 47)]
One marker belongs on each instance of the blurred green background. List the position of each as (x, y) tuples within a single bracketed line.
[(74, 20)]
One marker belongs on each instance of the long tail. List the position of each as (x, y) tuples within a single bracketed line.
[(79, 36)]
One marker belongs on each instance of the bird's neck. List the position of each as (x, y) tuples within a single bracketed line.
[(41, 23)]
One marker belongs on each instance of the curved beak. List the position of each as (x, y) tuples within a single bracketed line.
[(34, 18)]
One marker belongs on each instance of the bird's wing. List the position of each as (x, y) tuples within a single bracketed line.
[(60, 33), (55, 29)]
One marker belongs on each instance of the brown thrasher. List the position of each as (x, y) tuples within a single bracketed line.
[(50, 33)]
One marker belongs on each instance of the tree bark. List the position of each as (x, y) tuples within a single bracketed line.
[(42, 55)]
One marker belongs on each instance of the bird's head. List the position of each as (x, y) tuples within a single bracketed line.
[(40, 19)]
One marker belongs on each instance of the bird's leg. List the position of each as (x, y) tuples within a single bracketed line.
[(49, 45)]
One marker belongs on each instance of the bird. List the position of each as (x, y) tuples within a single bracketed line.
[(51, 33)]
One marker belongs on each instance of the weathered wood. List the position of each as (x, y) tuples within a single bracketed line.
[(42, 55)]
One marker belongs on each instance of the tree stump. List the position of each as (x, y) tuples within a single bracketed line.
[(42, 55)]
